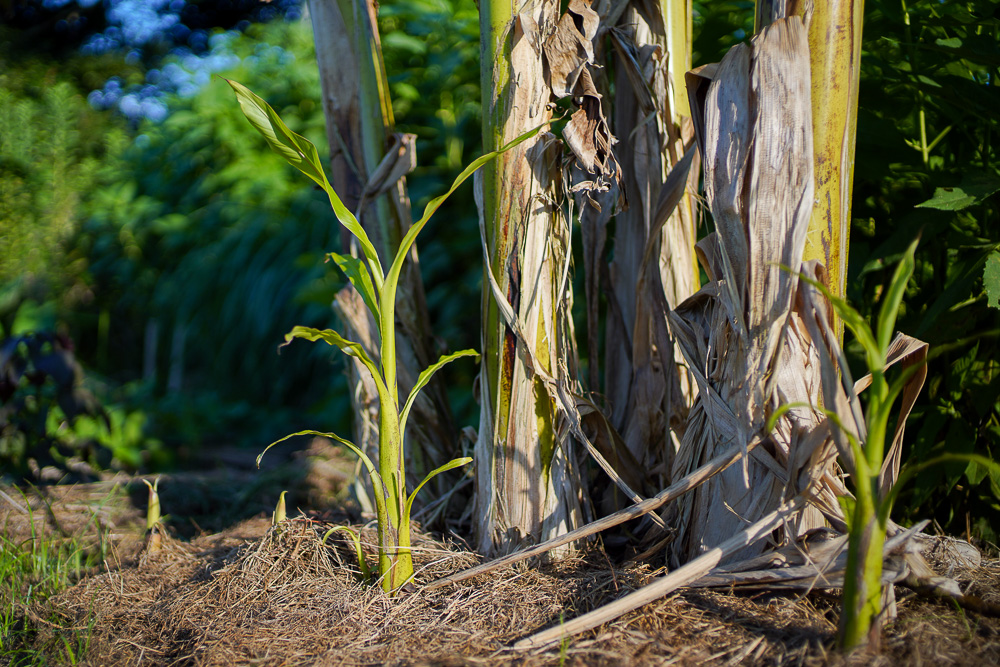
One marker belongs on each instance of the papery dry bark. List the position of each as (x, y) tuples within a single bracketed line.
[(748, 351), (527, 487), (834, 28), (654, 267)]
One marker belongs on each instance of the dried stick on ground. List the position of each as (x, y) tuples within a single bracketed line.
[(674, 491), (693, 571)]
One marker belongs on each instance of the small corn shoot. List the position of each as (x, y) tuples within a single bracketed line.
[(153, 517), (279, 510), (359, 552), (869, 511), (377, 288)]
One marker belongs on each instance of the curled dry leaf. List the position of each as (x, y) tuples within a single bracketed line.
[(570, 48), (587, 134), (569, 54)]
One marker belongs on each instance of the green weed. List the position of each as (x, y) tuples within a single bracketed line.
[(31, 571)]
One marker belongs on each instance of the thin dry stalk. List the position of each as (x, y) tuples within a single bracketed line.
[(674, 491), (661, 587)]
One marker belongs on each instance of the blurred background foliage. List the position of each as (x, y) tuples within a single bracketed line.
[(137, 201)]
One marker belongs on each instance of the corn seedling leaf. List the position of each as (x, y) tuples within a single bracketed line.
[(911, 471), (853, 321), (392, 278), (333, 436), (357, 273), (349, 347), (301, 154), (425, 377), (450, 465), (372, 470), (365, 572), (782, 409), (894, 297)]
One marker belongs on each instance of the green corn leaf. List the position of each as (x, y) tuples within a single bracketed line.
[(852, 320), (333, 436), (301, 154), (348, 347), (365, 571), (379, 488), (294, 148), (356, 272), (389, 287), (450, 465), (894, 297), (910, 471), (782, 409), (847, 504), (372, 471), (425, 377)]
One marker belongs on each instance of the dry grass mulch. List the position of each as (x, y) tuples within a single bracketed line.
[(260, 595)]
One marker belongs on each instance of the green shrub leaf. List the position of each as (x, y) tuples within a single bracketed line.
[(991, 279), (973, 189)]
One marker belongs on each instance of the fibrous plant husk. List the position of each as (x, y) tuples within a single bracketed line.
[(528, 482), (747, 351), (654, 267)]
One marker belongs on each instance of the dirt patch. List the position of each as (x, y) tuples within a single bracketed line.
[(257, 594)]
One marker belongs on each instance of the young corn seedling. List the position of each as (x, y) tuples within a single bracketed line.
[(279, 513), (378, 290), (154, 527), (869, 511)]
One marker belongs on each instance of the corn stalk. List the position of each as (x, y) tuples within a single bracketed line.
[(369, 161), (654, 267), (834, 28), (376, 287), (526, 483)]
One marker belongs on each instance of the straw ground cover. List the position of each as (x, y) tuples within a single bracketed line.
[(256, 594)]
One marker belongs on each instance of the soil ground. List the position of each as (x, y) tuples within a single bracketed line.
[(253, 594)]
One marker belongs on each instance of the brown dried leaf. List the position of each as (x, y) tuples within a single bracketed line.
[(587, 134), (570, 48)]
